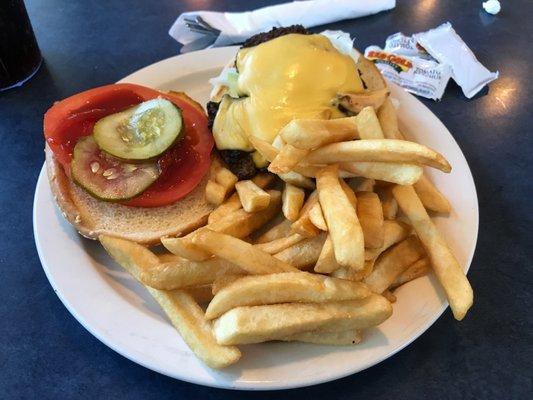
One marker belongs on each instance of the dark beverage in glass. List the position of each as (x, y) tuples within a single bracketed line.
[(20, 57)]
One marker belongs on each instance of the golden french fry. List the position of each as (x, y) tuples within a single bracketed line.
[(393, 262), (342, 338), (447, 269), (310, 134), (352, 275), (180, 307), (287, 158), (415, 270), (288, 287), (389, 121), (189, 320), (303, 224), (239, 224), (355, 102), (341, 218), (255, 324), (370, 215), (368, 125), (293, 200), (393, 232), (267, 150), (278, 142), (201, 294), (215, 193), (317, 218), (385, 150), (430, 196), (348, 191), (166, 272), (326, 262), (223, 281), (278, 231), (252, 197), (233, 203), (239, 252), (402, 174), (389, 296), (280, 244), (303, 253), (297, 179), (222, 175)]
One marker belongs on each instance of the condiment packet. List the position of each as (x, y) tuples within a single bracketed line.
[(405, 45), (445, 45), (423, 77)]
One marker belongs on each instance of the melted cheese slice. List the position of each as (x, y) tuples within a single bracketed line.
[(293, 76)]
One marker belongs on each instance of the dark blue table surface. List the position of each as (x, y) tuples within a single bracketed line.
[(46, 354)]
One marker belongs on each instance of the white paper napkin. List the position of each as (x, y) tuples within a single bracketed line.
[(237, 27)]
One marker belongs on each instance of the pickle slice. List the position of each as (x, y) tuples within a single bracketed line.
[(106, 177), (142, 132)]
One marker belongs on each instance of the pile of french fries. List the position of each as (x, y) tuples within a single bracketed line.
[(310, 251)]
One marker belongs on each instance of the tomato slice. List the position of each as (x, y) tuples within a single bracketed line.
[(183, 166)]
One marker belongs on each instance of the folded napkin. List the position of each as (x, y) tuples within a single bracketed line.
[(200, 29)]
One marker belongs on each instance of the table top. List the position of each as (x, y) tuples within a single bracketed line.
[(47, 354)]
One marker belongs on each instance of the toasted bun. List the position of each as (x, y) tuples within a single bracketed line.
[(92, 217)]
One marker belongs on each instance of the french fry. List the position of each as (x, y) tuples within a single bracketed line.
[(278, 142), (370, 215), (303, 224), (415, 270), (350, 194), (368, 125), (288, 287), (280, 244), (310, 134), (181, 308), (233, 203), (168, 272), (389, 296), (341, 218), (255, 324), (389, 121), (278, 231), (239, 224), (287, 158), (430, 196), (393, 232), (355, 102), (222, 175), (223, 281), (401, 174), (384, 150), (292, 200), (352, 275), (189, 320), (267, 150), (393, 262), (239, 252), (342, 338), (317, 218), (303, 253), (215, 193), (297, 179), (447, 269), (326, 262), (252, 197)]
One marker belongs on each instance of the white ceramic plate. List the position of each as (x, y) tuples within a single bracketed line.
[(116, 309)]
